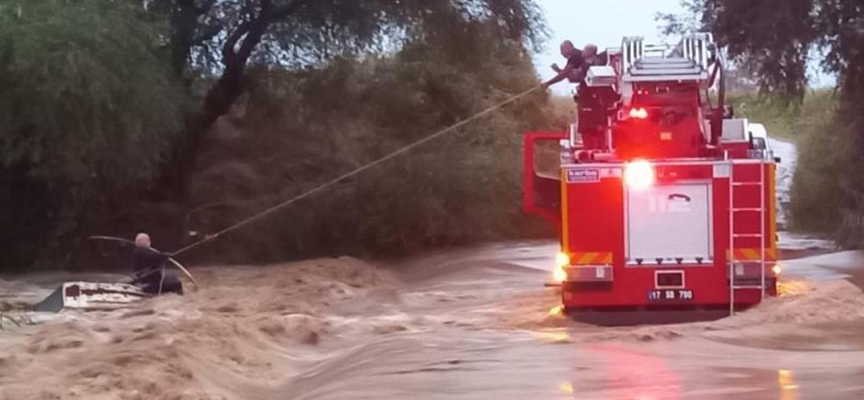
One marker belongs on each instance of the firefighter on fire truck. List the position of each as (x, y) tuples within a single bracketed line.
[(577, 65), (663, 199)]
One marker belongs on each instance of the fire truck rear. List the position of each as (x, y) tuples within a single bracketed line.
[(662, 199)]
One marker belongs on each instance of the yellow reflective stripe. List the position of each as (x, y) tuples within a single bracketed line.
[(753, 254), (606, 258), (591, 258)]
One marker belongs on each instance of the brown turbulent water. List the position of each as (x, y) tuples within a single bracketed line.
[(468, 324)]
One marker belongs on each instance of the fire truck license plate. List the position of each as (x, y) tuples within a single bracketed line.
[(670, 294)]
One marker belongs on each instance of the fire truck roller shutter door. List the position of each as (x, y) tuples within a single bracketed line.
[(668, 223)]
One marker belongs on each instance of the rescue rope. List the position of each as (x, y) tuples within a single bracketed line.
[(162, 280), (355, 171)]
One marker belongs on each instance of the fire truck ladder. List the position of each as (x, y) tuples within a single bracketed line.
[(733, 263)]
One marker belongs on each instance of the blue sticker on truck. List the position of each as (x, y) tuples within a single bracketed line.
[(583, 175)]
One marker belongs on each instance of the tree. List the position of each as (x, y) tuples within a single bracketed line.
[(299, 129), (87, 108), (778, 38), (98, 96), (227, 36)]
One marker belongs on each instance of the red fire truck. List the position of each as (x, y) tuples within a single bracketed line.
[(662, 199)]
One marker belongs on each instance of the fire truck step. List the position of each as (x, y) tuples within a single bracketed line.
[(748, 287), (747, 209), (746, 235)]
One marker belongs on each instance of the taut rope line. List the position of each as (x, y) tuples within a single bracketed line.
[(354, 172)]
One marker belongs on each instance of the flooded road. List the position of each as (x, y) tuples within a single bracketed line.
[(461, 324), (467, 324), (791, 348), (489, 331)]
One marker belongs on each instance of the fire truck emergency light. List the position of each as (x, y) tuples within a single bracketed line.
[(638, 113), (639, 174)]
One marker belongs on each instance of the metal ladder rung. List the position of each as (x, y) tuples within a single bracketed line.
[(732, 235)]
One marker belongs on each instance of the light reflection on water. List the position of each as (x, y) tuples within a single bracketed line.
[(788, 387), (634, 374), (566, 388), (793, 287), (554, 336)]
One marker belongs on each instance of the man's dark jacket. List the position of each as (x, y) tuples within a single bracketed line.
[(147, 264)]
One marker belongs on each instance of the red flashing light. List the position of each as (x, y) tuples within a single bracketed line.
[(639, 174), (638, 113)]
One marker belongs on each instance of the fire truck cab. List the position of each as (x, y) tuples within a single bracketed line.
[(663, 200)]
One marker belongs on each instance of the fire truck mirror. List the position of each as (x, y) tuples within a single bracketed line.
[(757, 143)]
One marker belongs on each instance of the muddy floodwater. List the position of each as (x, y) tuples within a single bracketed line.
[(467, 324)]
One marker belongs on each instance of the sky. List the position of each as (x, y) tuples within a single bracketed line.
[(605, 23)]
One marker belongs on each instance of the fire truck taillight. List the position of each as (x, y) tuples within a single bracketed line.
[(562, 261), (639, 174), (638, 113)]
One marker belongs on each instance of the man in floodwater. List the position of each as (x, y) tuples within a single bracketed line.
[(148, 264)]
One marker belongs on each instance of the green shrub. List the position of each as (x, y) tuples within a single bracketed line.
[(298, 130), (784, 121), (816, 193), (88, 107)]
